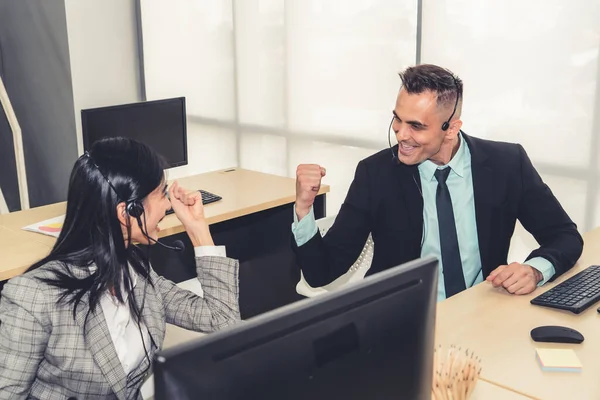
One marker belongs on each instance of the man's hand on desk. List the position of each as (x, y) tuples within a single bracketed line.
[(308, 183), (515, 278)]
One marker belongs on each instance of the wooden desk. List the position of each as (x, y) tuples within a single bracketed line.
[(17, 220), (253, 220), (497, 325), (16, 249), (488, 391), (244, 192)]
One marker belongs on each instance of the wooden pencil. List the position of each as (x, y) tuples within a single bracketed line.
[(455, 373)]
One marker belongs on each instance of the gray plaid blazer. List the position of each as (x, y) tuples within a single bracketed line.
[(43, 353)]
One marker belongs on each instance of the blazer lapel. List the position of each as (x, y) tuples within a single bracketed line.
[(100, 343), (408, 177), (484, 192), (152, 314)]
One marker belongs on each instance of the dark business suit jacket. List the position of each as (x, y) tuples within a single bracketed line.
[(384, 199)]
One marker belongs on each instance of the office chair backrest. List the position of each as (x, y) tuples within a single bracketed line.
[(356, 272)]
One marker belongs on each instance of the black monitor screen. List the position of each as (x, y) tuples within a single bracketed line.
[(368, 340), (160, 124)]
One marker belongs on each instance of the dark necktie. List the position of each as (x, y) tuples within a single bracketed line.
[(454, 280)]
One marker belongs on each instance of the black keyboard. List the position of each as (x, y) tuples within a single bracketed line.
[(207, 197), (575, 294)]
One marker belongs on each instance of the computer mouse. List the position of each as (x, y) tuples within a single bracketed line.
[(556, 334)]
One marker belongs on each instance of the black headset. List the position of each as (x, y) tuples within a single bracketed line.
[(135, 209), (446, 124)]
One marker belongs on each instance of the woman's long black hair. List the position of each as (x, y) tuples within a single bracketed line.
[(115, 170)]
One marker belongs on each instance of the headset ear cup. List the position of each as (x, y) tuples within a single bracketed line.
[(445, 126), (135, 209)]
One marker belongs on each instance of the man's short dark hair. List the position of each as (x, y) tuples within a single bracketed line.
[(428, 77)]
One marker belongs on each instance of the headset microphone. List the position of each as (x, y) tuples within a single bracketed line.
[(394, 156), (136, 210), (177, 245)]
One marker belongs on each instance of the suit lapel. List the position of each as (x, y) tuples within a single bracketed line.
[(410, 182), (152, 314), (100, 343), (153, 318), (484, 192)]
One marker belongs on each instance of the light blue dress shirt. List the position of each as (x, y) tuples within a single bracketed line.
[(460, 185)]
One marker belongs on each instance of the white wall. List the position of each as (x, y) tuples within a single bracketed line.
[(3, 206), (104, 55)]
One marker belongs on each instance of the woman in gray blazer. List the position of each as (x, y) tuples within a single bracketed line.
[(85, 321)]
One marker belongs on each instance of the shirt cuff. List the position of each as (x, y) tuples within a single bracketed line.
[(544, 266), (203, 251), (305, 229)]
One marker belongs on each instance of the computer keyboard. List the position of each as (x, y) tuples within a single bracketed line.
[(575, 294), (207, 197)]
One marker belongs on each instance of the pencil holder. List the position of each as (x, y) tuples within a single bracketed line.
[(455, 373)]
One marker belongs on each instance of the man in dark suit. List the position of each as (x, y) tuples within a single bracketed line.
[(442, 193)]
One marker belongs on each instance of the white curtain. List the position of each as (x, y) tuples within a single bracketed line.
[(530, 72), (274, 83), (188, 51)]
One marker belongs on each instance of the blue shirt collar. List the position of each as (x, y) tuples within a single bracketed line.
[(457, 163)]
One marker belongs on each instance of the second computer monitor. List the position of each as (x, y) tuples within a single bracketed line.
[(161, 124), (370, 340)]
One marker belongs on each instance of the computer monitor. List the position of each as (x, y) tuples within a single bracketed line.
[(161, 124), (370, 340)]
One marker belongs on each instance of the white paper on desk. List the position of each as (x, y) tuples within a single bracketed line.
[(50, 227)]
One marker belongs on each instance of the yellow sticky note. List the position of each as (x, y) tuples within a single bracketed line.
[(558, 360)]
